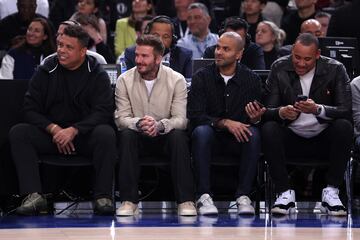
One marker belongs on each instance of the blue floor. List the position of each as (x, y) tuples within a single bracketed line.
[(172, 220)]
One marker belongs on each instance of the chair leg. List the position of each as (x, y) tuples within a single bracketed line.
[(268, 188), (348, 181)]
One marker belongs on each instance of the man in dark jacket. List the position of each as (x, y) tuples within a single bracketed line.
[(219, 98), (308, 111), (253, 55), (67, 109), (178, 58)]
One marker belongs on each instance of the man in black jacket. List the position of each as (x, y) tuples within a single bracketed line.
[(67, 109), (308, 110), (221, 95), (253, 55)]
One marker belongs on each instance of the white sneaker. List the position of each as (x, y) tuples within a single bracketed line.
[(331, 203), (285, 203), (205, 205), (127, 209), (187, 209), (244, 205)]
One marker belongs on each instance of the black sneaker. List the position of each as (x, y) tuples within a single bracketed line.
[(285, 203), (331, 203), (104, 206), (33, 204)]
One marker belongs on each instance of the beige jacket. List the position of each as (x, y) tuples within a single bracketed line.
[(166, 103)]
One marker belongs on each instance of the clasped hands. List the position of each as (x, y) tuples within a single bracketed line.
[(148, 126), (63, 138)]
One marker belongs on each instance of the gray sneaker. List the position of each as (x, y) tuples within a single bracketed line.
[(244, 205), (33, 204)]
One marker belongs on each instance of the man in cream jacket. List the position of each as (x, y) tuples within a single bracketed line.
[(151, 118)]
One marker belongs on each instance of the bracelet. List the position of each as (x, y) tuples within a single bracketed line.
[(52, 128)]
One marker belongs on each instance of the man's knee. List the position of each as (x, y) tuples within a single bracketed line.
[(268, 129), (202, 132), (19, 131)]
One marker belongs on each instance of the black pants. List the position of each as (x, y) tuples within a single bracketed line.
[(333, 144), (28, 142), (175, 145)]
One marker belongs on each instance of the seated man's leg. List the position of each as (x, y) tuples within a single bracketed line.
[(340, 134), (128, 141), (102, 143), (27, 141), (273, 140), (177, 146), (250, 154), (202, 140)]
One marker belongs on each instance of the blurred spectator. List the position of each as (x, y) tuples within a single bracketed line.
[(324, 19), (270, 37), (114, 10), (90, 24), (274, 10), (61, 10), (292, 21), (345, 22), (178, 58), (253, 55), (21, 62), (312, 26), (16, 24), (252, 14), (140, 25), (125, 35), (181, 28), (9, 7), (198, 21), (92, 7), (100, 59)]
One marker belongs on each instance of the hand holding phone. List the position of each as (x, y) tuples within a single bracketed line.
[(301, 97)]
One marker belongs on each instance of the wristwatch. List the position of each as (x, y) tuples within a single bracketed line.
[(318, 110)]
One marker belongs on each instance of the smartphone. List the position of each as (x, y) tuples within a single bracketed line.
[(259, 103), (301, 98)]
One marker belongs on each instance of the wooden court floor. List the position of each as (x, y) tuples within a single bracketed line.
[(169, 226), (180, 233)]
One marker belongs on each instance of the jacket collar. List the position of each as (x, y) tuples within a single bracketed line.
[(237, 78)]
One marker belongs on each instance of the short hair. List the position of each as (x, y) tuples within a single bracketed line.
[(84, 19), (159, 19), (307, 39), (322, 14), (152, 41), (70, 22), (200, 6), (240, 43), (234, 23), (263, 1), (279, 34), (79, 33)]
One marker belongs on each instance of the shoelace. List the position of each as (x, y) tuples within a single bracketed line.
[(282, 196), (244, 201), (207, 201), (333, 197)]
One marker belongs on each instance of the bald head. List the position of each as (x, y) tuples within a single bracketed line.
[(312, 26), (236, 37)]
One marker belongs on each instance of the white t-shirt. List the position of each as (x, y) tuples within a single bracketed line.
[(226, 78), (306, 125), (149, 85)]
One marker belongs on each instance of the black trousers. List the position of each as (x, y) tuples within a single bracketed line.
[(28, 142), (174, 145), (333, 144)]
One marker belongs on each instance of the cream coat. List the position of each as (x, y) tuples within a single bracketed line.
[(166, 103)]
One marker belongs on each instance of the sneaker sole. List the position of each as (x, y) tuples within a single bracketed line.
[(187, 213), (127, 213), (281, 211), (332, 213)]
